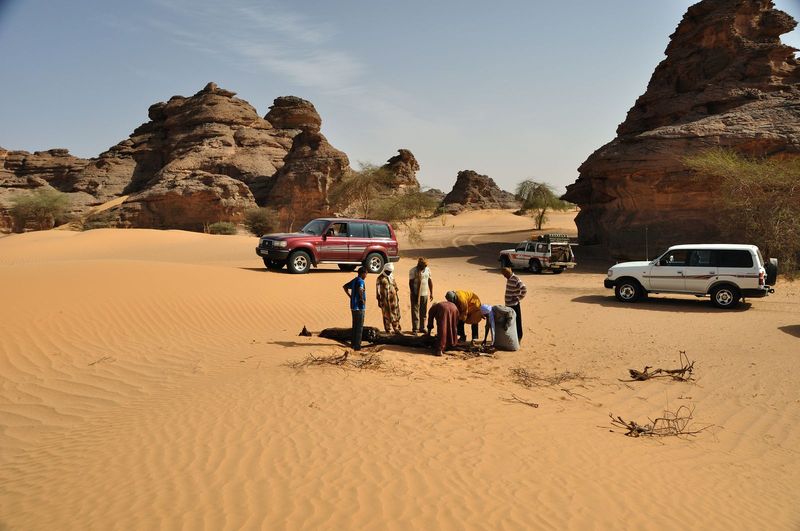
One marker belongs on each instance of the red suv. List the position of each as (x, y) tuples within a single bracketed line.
[(346, 242)]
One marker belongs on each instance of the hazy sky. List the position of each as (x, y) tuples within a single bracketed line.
[(512, 89)]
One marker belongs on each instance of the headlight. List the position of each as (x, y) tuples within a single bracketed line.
[(281, 244), (610, 272)]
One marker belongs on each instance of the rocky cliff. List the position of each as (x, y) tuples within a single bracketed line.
[(198, 160), (726, 81), (475, 191)]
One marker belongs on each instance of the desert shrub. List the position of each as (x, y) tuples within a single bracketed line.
[(404, 210), (42, 209), (222, 227), (539, 198), (759, 200), (99, 220), (358, 192), (260, 221)]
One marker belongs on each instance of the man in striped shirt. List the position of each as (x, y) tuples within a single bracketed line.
[(515, 292)]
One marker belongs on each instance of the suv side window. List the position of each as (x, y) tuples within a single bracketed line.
[(702, 258), (358, 230), (541, 248), (522, 246), (735, 258), (675, 258), (337, 229), (379, 230)]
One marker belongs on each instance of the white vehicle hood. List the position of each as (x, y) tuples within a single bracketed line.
[(630, 265)]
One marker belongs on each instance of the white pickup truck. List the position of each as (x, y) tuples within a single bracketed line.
[(548, 252), (726, 272)]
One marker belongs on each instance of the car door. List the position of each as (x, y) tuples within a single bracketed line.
[(335, 243), (700, 270), (358, 242), (667, 273)]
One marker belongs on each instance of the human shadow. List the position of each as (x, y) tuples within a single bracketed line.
[(284, 271), (658, 304), (792, 330), (290, 344)]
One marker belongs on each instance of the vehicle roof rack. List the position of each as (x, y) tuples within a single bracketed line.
[(553, 238)]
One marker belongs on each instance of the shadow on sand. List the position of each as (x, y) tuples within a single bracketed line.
[(659, 304), (792, 330)]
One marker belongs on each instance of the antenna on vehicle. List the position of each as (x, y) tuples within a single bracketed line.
[(646, 244)]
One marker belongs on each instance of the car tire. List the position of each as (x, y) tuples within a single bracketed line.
[(374, 263), (535, 267), (347, 267), (299, 262), (725, 296), (274, 265), (628, 290)]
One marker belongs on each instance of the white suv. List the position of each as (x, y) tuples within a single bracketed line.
[(726, 272)]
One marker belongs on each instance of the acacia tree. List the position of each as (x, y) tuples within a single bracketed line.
[(759, 200), (358, 191), (406, 209), (43, 208), (537, 198)]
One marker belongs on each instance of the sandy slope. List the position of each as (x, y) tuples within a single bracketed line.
[(143, 385)]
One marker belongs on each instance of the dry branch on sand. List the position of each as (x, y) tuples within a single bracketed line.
[(683, 374), (514, 399), (367, 361), (526, 378), (671, 424)]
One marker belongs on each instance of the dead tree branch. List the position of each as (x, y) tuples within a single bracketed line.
[(670, 424), (682, 374), (514, 399)]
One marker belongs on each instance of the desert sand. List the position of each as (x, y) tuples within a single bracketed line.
[(144, 385)]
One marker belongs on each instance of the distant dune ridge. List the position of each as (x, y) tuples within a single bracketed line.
[(726, 81)]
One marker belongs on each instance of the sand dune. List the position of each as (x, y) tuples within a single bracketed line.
[(144, 385)]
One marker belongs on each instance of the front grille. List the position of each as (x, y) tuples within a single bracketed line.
[(266, 244)]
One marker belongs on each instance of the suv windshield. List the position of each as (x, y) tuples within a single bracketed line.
[(314, 227)]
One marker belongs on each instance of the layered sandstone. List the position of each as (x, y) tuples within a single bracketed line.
[(475, 191), (727, 81), (198, 160)]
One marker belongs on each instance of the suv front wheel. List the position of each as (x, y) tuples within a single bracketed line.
[(374, 263), (299, 262), (628, 290), (725, 297)]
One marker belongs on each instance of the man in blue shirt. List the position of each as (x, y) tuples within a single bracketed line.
[(357, 293)]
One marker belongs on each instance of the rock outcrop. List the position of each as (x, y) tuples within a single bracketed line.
[(475, 191), (727, 81), (404, 168), (199, 160)]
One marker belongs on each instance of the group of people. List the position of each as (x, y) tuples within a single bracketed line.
[(460, 307)]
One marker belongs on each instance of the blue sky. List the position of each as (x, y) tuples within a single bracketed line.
[(511, 89)]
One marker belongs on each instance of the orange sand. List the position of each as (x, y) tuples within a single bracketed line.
[(143, 385)]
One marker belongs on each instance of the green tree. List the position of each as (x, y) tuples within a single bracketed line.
[(358, 191), (538, 198), (41, 208), (759, 200)]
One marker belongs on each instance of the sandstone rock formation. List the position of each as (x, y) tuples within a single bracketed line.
[(404, 168), (727, 81), (198, 160), (475, 191)]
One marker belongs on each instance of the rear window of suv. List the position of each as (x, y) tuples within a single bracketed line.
[(379, 230), (358, 230), (737, 258)]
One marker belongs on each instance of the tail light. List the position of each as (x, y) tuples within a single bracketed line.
[(761, 278)]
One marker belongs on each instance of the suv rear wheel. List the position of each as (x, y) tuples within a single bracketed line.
[(628, 290), (374, 263), (299, 262), (725, 296)]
